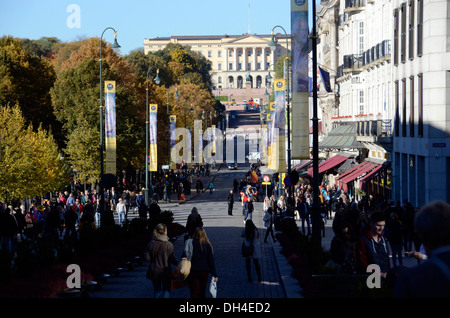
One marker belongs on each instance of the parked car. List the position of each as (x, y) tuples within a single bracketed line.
[(232, 166)]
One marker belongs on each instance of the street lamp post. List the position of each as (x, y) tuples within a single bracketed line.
[(316, 218), (273, 44), (147, 125), (168, 121), (115, 45)]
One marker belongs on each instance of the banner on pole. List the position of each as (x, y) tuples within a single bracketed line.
[(153, 137), (300, 80), (173, 126), (110, 127), (278, 131)]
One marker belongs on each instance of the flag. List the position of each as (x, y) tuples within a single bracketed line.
[(254, 176), (325, 79)]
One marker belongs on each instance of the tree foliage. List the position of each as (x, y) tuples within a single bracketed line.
[(30, 163), (26, 80), (56, 89), (76, 101)]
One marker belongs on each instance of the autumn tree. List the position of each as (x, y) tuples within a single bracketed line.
[(76, 102), (25, 80), (30, 162)]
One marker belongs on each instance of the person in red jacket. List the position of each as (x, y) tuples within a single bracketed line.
[(78, 208)]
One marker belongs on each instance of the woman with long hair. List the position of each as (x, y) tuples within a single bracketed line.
[(202, 264), (159, 253)]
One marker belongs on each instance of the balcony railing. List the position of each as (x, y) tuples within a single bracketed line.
[(354, 5), (379, 128), (378, 53), (353, 62)]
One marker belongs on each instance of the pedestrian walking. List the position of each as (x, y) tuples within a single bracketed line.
[(194, 221), (121, 210), (303, 211), (211, 187), (160, 255), (202, 264), (78, 208), (268, 223), (248, 209), (230, 202), (394, 234), (251, 249)]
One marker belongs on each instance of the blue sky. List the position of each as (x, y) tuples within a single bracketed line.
[(138, 19)]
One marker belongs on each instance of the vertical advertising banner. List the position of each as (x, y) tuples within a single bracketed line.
[(173, 126), (278, 132), (153, 136), (213, 132), (300, 81), (198, 141), (270, 115), (110, 127)]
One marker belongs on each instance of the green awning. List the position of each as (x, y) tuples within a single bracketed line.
[(341, 137)]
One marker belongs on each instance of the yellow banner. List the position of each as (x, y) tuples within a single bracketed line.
[(278, 149)]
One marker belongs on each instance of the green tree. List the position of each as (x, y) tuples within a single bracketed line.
[(26, 80), (30, 162)]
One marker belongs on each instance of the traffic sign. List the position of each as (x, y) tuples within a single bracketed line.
[(287, 181), (266, 179)]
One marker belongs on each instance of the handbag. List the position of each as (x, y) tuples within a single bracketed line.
[(183, 268)]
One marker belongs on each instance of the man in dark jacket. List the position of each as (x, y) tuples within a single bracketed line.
[(230, 202)]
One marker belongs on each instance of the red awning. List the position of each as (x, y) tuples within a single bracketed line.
[(370, 175), (328, 164), (350, 171), (362, 168)]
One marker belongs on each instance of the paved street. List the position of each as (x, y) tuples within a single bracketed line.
[(224, 232)]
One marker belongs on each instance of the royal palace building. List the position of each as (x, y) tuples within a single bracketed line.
[(237, 61)]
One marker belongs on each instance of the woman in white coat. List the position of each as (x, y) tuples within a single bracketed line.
[(251, 238)]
